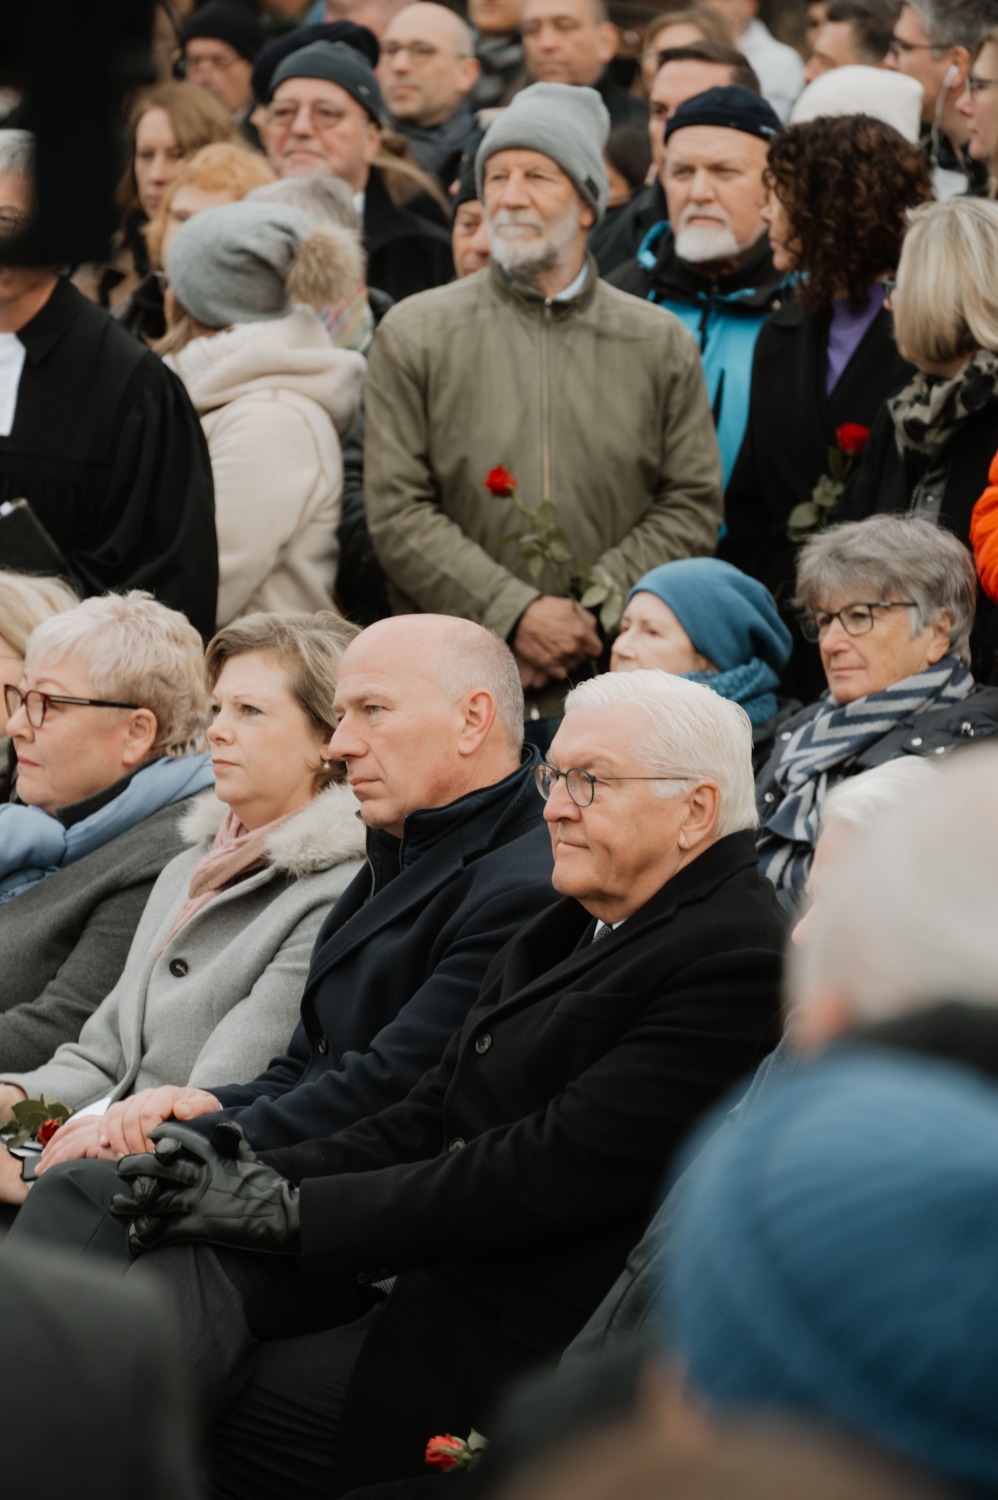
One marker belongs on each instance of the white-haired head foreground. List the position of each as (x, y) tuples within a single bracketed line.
[(907, 916), (691, 730)]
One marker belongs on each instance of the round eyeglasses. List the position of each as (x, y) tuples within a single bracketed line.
[(36, 704), (855, 619), (581, 785)]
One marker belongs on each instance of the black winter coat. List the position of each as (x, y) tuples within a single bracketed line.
[(517, 1175), (408, 245), (399, 960), (892, 479)]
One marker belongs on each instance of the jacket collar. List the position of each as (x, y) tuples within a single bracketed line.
[(323, 833), (473, 820), (513, 290), (755, 283)]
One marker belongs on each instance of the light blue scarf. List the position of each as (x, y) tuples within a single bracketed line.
[(753, 685), (34, 844)]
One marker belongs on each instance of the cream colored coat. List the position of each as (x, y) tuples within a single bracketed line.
[(274, 400)]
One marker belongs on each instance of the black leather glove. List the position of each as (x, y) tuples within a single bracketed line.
[(215, 1190)]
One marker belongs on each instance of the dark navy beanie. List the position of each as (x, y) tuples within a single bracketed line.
[(731, 618), (731, 108), (834, 1259), (226, 21), (360, 38)]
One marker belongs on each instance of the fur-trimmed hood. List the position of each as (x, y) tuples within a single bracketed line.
[(325, 832)]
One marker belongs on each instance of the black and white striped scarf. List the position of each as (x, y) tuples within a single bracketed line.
[(820, 752)]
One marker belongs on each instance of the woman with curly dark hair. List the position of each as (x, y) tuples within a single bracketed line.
[(840, 190)]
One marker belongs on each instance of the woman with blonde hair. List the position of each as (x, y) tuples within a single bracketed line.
[(213, 980), (25, 601), (274, 396), (107, 722), (931, 447)]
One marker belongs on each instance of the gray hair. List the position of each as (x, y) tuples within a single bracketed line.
[(134, 648), (893, 557), (691, 730), (327, 200), (17, 153), (891, 934), (862, 800), (26, 600), (955, 23), (484, 660), (309, 647)]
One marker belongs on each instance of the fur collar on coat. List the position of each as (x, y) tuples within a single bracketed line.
[(324, 833)]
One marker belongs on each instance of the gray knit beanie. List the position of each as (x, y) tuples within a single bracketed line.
[(334, 62), (229, 264), (567, 123)]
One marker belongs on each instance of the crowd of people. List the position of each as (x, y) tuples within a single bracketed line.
[(498, 593)]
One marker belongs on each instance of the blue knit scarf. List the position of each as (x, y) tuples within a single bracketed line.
[(753, 685), (34, 844), (821, 751)]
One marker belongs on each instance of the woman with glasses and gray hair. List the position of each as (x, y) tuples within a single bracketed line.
[(890, 602), (106, 718)]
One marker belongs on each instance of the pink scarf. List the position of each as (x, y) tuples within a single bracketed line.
[(235, 852)]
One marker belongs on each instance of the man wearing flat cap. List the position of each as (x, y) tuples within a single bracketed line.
[(324, 115), (593, 402), (709, 260)]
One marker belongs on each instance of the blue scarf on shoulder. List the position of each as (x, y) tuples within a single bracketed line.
[(34, 844), (752, 685)]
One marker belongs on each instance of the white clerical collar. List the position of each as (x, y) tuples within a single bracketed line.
[(12, 354)]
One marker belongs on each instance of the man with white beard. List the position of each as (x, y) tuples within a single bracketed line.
[(709, 262), (589, 399)]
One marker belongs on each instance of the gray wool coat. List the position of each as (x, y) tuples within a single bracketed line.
[(221, 998), (64, 941)]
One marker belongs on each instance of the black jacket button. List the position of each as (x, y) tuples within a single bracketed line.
[(178, 967), (322, 1045), (456, 1144), (483, 1044)]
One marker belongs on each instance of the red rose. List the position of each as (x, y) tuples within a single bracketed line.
[(46, 1131), (500, 483), (852, 438), (447, 1452)]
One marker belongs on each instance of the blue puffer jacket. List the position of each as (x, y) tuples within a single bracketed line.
[(724, 313)]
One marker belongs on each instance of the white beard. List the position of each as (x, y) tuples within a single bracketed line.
[(698, 243), (540, 250)]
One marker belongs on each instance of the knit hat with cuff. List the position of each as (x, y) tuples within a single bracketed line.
[(566, 123)]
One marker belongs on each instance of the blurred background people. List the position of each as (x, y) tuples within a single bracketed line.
[(220, 42), (679, 28), (574, 42), (274, 395), (854, 31), (107, 722), (779, 67), (840, 191), (933, 442), (427, 72), (499, 49)]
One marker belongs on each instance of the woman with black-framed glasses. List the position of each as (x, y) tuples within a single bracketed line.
[(107, 715), (890, 602)]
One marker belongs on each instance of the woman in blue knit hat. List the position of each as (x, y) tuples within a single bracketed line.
[(704, 619)]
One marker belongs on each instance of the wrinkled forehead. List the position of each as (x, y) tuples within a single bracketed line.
[(600, 739)]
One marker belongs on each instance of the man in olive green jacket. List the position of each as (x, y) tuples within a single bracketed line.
[(590, 399)]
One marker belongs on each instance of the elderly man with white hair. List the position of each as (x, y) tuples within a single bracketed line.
[(504, 1191)]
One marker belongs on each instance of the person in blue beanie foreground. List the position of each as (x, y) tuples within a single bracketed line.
[(835, 1262), (706, 620)]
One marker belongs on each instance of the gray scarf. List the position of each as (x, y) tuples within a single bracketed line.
[(929, 410)]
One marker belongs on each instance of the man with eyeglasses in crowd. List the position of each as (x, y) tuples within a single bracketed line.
[(932, 42), (220, 43), (499, 1199), (427, 71), (324, 114)]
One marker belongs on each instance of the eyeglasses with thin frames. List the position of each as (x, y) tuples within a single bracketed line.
[(855, 619), (975, 85), (37, 704), (897, 47), (581, 785), (324, 117)]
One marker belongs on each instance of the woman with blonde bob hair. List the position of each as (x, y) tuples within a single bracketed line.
[(25, 601), (932, 444), (107, 723), (235, 916)]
